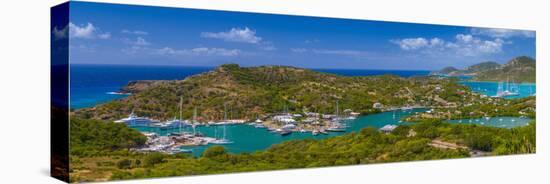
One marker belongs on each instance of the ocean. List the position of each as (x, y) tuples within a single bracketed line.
[(95, 84)]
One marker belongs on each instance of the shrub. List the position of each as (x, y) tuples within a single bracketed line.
[(153, 159), (124, 164)]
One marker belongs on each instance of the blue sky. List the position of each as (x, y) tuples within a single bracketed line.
[(141, 35)]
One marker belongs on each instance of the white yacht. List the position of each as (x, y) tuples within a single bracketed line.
[(288, 126), (134, 120), (336, 127)]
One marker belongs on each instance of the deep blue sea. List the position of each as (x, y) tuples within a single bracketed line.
[(95, 84)]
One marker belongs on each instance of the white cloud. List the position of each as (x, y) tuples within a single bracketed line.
[(136, 32), (60, 33), (199, 51), (464, 44), (245, 35), (418, 43), (88, 31), (104, 36), (139, 41), (339, 52), (329, 51), (411, 43), (434, 42), (502, 33), (464, 38), (76, 31)]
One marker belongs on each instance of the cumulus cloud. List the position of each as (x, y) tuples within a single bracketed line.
[(199, 51), (464, 44), (418, 43), (502, 33), (245, 35), (60, 33), (87, 31), (135, 32)]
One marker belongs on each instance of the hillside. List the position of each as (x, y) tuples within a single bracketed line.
[(520, 69), (367, 146), (446, 71), (251, 91), (482, 67)]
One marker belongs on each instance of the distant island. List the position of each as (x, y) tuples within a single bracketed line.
[(519, 69)]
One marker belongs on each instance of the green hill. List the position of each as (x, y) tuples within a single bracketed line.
[(447, 70), (251, 91), (520, 69), (482, 67)]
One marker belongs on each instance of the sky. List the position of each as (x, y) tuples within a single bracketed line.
[(144, 35)]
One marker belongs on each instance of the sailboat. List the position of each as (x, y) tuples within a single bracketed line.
[(223, 140), (194, 122), (174, 123), (508, 91), (335, 125)]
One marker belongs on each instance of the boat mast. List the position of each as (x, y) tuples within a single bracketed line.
[(194, 120), (337, 111), (225, 119), (181, 108), (224, 112), (195, 115)]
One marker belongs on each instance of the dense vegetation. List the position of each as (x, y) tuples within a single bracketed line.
[(406, 143), (93, 137), (251, 91)]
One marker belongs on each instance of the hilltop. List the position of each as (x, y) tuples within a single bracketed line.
[(519, 69), (249, 92)]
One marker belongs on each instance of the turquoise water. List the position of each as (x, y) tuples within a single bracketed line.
[(246, 138), (501, 122), (490, 88)]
